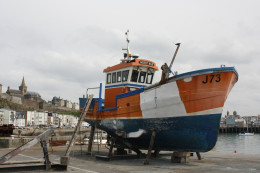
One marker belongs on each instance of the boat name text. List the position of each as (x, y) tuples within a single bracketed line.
[(209, 78), (146, 63)]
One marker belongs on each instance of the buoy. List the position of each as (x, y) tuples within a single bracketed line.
[(235, 151)]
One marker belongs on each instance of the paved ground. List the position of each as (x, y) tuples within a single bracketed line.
[(211, 162)]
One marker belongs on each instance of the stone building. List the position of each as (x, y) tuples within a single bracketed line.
[(56, 101), (24, 93)]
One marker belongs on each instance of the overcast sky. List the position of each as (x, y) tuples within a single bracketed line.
[(61, 47)]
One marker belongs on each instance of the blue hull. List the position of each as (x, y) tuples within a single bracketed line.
[(192, 133)]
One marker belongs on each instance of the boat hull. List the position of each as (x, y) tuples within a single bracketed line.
[(193, 133), (184, 111)]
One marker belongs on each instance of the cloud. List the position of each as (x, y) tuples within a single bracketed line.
[(62, 48)]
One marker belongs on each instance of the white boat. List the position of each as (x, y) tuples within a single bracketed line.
[(246, 133)]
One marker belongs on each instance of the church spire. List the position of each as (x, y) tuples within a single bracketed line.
[(23, 83), (23, 87)]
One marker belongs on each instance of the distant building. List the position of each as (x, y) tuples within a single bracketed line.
[(13, 99), (57, 119), (75, 106), (1, 89), (19, 119), (34, 118), (240, 123), (7, 116), (57, 101), (69, 120), (1, 118), (230, 122), (49, 118), (23, 93), (68, 104)]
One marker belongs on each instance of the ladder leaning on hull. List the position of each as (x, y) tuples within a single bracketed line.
[(65, 159)]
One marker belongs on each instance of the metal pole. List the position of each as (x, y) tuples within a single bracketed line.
[(100, 99)]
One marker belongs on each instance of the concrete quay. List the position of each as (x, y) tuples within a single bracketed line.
[(22, 136), (80, 162)]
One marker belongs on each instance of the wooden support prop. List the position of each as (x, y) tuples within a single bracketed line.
[(91, 138), (111, 147), (156, 153), (146, 162), (198, 155)]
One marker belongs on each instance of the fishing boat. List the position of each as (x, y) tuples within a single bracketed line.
[(183, 109)]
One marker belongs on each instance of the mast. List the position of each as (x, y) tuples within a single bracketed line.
[(127, 55)]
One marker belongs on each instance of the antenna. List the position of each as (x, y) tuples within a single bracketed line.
[(127, 55), (127, 40)]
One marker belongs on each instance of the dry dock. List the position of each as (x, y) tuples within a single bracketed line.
[(79, 162)]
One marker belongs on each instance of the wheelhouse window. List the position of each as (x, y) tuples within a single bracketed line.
[(149, 79), (134, 76), (119, 77), (142, 77), (114, 77), (125, 75), (108, 78)]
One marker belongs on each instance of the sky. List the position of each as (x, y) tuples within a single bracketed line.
[(62, 46)]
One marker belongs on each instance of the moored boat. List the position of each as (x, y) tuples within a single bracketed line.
[(246, 133), (184, 110)]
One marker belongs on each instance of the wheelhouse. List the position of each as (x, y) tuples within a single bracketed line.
[(127, 76)]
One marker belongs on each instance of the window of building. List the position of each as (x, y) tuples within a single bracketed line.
[(114, 77), (125, 75), (134, 76), (142, 77), (119, 77), (149, 78), (108, 78)]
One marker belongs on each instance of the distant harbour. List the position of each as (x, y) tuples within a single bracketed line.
[(228, 143)]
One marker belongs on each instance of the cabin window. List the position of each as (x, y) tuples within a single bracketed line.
[(114, 77), (142, 77), (119, 76), (108, 78), (134, 76), (149, 79), (125, 75)]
